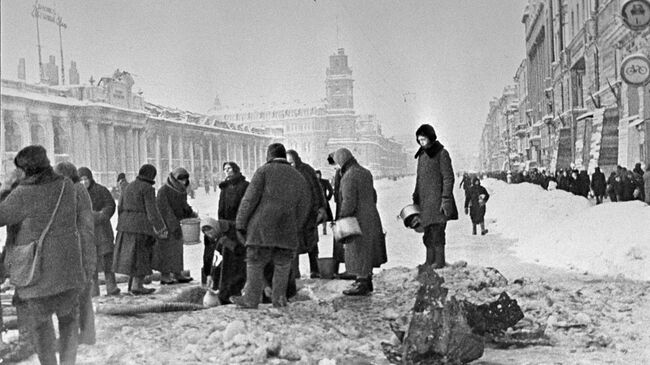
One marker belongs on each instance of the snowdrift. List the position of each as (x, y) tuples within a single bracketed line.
[(558, 229)]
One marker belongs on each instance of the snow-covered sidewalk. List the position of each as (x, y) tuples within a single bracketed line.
[(558, 229)]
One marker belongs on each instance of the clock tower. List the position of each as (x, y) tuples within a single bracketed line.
[(338, 84)]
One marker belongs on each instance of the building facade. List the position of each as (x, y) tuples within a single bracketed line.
[(316, 129), (577, 111), (110, 129)]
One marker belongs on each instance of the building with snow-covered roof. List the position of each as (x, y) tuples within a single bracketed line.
[(316, 129)]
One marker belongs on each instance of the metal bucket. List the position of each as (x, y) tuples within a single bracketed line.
[(326, 267), (191, 231), (407, 214), (346, 227)]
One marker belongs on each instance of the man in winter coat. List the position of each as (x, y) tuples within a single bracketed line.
[(317, 214), (434, 193), (478, 197), (271, 216), (103, 209), (598, 185), (172, 205), (359, 200), (63, 269)]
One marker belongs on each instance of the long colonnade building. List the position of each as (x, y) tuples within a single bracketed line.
[(110, 129)]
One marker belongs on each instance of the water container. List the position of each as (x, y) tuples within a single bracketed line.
[(326, 267), (191, 231)]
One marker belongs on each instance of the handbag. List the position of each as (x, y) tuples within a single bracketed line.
[(26, 259), (345, 228)]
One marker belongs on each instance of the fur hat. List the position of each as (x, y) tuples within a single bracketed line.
[(32, 159), (121, 176), (275, 150), (426, 130), (84, 171), (148, 172), (69, 170)]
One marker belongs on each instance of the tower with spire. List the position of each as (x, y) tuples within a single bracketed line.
[(339, 84)]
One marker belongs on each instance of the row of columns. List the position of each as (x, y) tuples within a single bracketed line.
[(249, 155)]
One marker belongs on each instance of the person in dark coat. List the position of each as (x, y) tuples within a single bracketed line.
[(138, 225), (573, 184), (317, 214), (434, 193), (87, 333), (232, 192), (172, 205), (328, 192), (230, 276), (612, 187), (338, 251), (103, 207), (598, 185), (359, 200), (271, 216), (584, 183), (637, 174), (478, 197), (65, 261)]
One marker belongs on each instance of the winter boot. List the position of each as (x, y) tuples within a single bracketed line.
[(474, 229), (440, 257), (483, 230), (359, 288), (111, 284)]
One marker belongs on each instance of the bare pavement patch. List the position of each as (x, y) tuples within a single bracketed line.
[(573, 319)]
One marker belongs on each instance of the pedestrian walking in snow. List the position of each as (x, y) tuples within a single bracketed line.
[(359, 200), (46, 202), (434, 193), (476, 206), (317, 214), (88, 241), (138, 225), (271, 216), (172, 205), (598, 185), (466, 184)]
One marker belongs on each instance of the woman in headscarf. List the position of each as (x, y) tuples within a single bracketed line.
[(359, 200), (41, 198), (173, 207), (229, 277), (138, 225)]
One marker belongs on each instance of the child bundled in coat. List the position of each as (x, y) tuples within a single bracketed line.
[(475, 205)]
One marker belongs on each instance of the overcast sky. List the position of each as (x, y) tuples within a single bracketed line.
[(447, 59)]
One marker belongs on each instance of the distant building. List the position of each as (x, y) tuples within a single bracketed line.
[(110, 129), (319, 128)]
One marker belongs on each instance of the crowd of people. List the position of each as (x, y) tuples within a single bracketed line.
[(620, 186), (60, 236)]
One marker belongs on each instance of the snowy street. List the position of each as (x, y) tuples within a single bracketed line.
[(588, 319)]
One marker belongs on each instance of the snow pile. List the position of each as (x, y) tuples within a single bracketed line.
[(558, 229)]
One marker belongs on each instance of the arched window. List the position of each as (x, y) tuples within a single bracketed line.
[(61, 139), (38, 134), (13, 138)]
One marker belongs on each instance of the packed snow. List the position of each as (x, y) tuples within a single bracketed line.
[(558, 229)]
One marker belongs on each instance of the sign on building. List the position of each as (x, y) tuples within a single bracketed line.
[(636, 14), (635, 69)]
